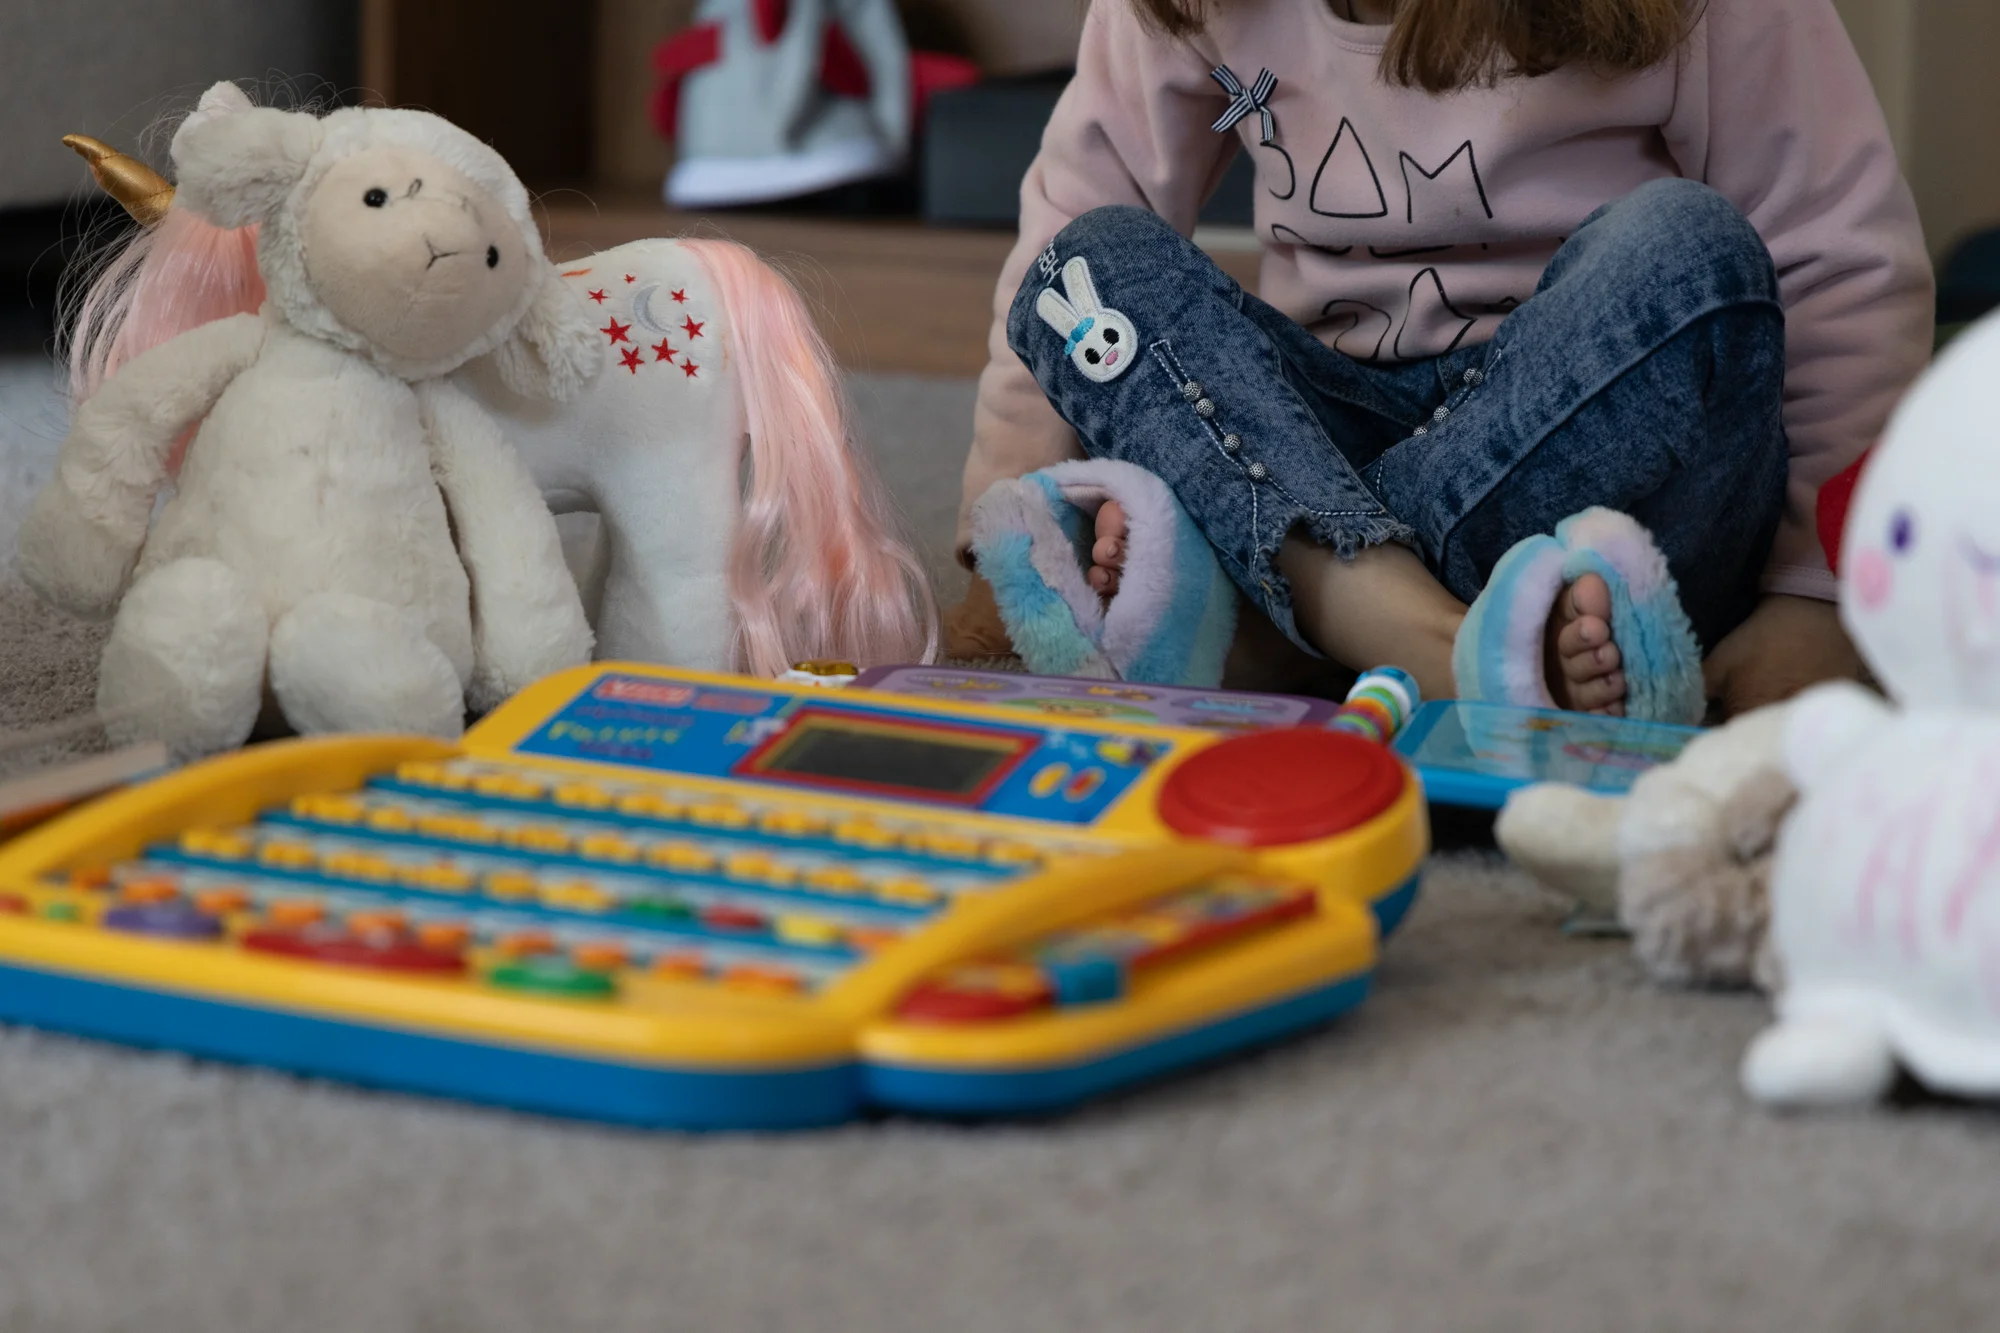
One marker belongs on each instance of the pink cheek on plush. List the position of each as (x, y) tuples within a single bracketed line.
[(1872, 578), (1111, 357)]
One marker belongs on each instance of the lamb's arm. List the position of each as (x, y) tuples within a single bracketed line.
[(83, 535), (527, 619)]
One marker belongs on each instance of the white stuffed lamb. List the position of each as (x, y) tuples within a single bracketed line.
[(1886, 896), (349, 527)]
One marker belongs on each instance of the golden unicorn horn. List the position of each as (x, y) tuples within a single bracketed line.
[(143, 191)]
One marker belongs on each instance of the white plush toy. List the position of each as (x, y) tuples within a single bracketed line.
[(1886, 897), (350, 528), (1683, 861), (741, 528)]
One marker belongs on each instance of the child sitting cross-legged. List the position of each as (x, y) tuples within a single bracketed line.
[(1519, 261)]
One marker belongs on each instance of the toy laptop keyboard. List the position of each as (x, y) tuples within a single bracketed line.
[(1474, 754), (673, 899)]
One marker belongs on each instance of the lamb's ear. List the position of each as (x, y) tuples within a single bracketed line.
[(237, 168), (222, 99), (1057, 313), (1082, 291), (557, 347)]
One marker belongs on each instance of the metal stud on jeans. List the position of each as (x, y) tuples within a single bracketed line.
[(1257, 471), (1231, 443), (1191, 390), (1205, 408)]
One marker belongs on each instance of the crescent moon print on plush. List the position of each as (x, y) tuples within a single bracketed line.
[(642, 310)]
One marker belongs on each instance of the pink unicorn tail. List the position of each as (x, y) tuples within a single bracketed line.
[(817, 570)]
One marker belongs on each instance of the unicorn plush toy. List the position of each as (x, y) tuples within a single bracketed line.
[(740, 529), (1885, 901)]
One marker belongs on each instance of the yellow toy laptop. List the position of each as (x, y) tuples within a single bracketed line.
[(667, 898)]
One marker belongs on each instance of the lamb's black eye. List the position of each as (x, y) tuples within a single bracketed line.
[(376, 197), (1090, 354), (1111, 335), (493, 256)]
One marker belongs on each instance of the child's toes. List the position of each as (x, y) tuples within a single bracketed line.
[(1107, 553), (1599, 694), (1111, 520), (1584, 665), (1587, 653)]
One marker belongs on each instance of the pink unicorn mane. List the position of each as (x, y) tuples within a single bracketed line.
[(817, 570)]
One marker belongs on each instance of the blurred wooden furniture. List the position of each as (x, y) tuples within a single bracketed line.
[(517, 73), (890, 294)]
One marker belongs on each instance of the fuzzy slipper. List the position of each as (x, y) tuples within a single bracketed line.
[(1172, 618), (1498, 656)]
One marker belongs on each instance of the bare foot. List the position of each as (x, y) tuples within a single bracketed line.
[(1107, 555), (1583, 663), (1381, 607)]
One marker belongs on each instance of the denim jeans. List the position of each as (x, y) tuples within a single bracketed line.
[(1645, 374)]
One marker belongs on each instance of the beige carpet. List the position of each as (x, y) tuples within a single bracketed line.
[(1516, 1133)]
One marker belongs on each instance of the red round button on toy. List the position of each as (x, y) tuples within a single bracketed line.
[(387, 952), (1272, 787)]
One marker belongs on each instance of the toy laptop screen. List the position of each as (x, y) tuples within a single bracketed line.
[(890, 755), (1475, 753)]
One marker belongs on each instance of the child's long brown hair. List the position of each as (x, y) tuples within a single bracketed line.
[(1444, 45)]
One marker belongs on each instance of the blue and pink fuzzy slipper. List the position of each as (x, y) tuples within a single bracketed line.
[(1174, 614), (1498, 655), (1175, 610)]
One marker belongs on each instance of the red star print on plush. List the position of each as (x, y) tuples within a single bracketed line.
[(662, 352), (693, 327), (616, 331), (598, 296), (680, 296), (628, 277), (630, 358), (689, 367)]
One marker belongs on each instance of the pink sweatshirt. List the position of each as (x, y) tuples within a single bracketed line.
[(1395, 222)]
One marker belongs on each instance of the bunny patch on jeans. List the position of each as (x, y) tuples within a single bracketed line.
[(1102, 342)]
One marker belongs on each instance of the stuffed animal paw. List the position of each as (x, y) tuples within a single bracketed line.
[(1684, 860), (71, 562)]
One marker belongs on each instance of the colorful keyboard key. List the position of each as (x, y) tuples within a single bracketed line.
[(388, 952), (174, 919), (553, 974), (682, 857), (600, 956), (511, 885), (149, 889), (224, 901), (578, 895), (291, 913), (811, 930), (730, 916)]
